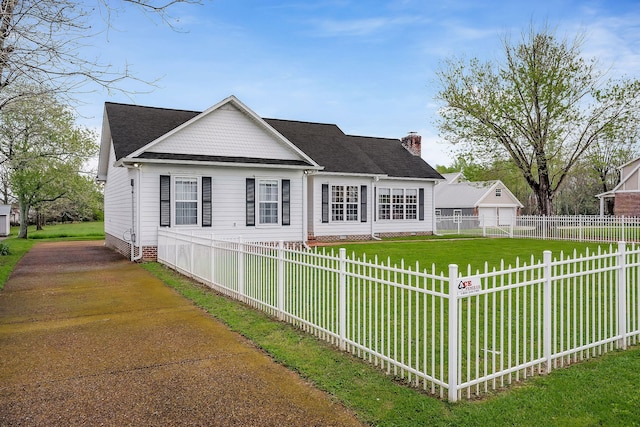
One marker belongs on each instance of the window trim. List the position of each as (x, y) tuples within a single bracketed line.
[(498, 192), (168, 202), (347, 205), (416, 207), (197, 201), (259, 202)]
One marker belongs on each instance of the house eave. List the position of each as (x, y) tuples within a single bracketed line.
[(351, 174), (132, 161), (400, 178)]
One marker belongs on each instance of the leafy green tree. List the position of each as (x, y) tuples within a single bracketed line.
[(84, 201), (41, 152), (542, 107)]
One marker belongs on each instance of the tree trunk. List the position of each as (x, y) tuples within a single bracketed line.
[(39, 221), (24, 220)]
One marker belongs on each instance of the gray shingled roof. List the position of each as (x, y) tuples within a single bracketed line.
[(132, 127), (461, 195)]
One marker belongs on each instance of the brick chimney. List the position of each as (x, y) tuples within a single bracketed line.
[(413, 143)]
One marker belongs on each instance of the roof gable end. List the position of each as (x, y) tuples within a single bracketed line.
[(227, 129)]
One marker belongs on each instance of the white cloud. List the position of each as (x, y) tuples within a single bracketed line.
[(358, 27)]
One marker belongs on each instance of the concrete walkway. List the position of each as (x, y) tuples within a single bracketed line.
[(88, 338)]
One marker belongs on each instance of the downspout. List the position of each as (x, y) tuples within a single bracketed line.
[(135, 223), (305, 207), (434, 224), (373, 207)]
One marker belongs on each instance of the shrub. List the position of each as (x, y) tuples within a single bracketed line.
[(4, 249)]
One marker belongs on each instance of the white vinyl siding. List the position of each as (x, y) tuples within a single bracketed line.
[(228, 204), (117, 200), (218, 132)]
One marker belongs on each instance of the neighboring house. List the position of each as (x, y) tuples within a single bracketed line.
[(228, 172), (626, 194), (491, 201), (5, 220)]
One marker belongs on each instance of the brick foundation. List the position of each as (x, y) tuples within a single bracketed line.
[(149, 253), (363, 237)]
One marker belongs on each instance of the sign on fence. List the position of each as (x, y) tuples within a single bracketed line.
[(469, 286)]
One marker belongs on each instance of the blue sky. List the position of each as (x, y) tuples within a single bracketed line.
[(367, 66)]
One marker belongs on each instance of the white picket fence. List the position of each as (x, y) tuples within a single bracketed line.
[(591, 228), (452, 334)]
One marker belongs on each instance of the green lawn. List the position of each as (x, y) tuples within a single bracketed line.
[(75, 231), (464, 252)]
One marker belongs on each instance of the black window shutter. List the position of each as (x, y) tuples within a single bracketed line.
[(325, 203), (286, 202), (165, 201), (421, 204), (251, 202), (363, 203), (206, 201), (375, 203)]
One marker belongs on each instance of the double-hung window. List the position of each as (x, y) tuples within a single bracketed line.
[(384, 203), (268, 201), (344, 202), (186, 201), (411, 203), (397, 203)]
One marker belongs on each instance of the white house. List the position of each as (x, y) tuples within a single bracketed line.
[(491, 201), (228, 172), (626, 194)]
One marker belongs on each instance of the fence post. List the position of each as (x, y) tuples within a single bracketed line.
[(581, 236), (622, 294), (453, 333), (281, 280), (212, 259), (191, 255), (546, 312), (241, 268), (343, 299)]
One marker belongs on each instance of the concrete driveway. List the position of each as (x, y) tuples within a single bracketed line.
[(88, 338)]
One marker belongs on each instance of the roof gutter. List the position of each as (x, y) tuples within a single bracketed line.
[(128, 161)]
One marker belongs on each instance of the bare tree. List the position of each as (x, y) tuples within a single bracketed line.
[(41, 41), (542, 107)]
